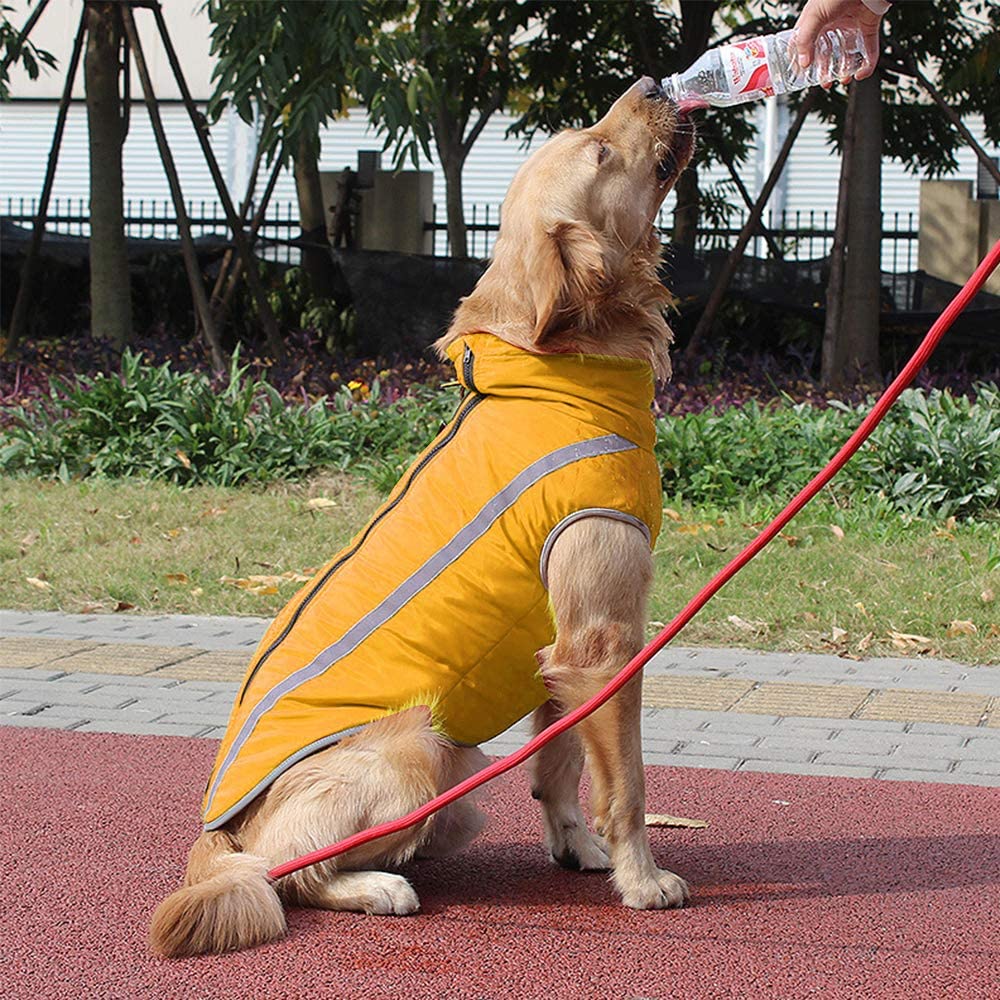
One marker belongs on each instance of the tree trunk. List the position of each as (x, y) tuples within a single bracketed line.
[(110, 292), (451, 165), (850, 343), (696, 30), (316, 260), (686, 209)]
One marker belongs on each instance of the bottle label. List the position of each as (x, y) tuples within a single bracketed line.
[(747, 70)]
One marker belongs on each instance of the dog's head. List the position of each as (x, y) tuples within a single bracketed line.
[(575, 261)]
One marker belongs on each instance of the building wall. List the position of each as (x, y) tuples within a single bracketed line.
[(26, 124)]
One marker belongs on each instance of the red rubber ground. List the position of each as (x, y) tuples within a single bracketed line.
[(855, 888)]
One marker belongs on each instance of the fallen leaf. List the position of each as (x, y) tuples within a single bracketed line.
[(29, 539), (792, 540), (861, 608), (91, 607), (838, 634), (320, 503), (810, 616), (957, 628), (38, 582), (987, 596), (172, 532), (661, 819), (837, 532), (178, 578), (694, 529), (124, 606), (135, 540), (123, 517), (993, 631), (906, 640), (183, 459), (197, 592), (744, 626), (213, 511), (865, 644), (671, 514)]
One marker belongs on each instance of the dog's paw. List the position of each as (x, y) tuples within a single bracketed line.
[(578, 849), (389, 895), (660, 892)]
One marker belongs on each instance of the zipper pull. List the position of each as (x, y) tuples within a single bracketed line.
[(468, 362)]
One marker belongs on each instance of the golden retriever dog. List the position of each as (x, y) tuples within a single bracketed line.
[(574, 272)]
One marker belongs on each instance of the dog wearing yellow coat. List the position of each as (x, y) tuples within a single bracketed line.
[(506, 573)]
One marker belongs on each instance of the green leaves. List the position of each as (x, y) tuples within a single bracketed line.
[(293, 62), (188, 428), (28, 55), (935, 455)]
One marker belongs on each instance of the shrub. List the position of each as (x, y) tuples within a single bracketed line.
[(190, 428), (934, 454)]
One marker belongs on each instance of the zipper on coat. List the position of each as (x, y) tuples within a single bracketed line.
[(470, 404), (468, 363)]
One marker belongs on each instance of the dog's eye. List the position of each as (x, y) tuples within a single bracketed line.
[(603, 151)]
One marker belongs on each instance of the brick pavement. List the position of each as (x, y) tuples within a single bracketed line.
[(897, 719)]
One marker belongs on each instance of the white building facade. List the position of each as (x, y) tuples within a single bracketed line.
[(809, 183)]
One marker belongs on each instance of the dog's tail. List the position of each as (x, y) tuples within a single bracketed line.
[(227, 904)]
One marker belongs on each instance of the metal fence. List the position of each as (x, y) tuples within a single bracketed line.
[(147, 219), (801, 235)]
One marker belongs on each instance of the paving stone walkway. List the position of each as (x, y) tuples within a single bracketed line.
[(905, 719)]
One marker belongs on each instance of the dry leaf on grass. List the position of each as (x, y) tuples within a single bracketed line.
[(957, 628), (662, 819), (909, 642), (38, 582), (987, 596), (837, 532), (744, 626), (183, 459), (29, 539), (671, 514), (320, 503), (124, 606), (179, 579), (263, 585)]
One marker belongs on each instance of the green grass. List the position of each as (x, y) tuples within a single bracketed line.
[(99, 545)]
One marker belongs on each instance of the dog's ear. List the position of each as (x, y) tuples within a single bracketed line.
[(566, 274)]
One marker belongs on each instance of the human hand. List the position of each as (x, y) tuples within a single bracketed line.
[(819, 16)]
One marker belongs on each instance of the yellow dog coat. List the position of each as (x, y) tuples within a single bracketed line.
[(441, 599)]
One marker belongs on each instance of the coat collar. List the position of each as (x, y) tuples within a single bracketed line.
[(614, 393)]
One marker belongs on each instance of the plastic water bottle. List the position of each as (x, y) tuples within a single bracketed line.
[(765, 66)]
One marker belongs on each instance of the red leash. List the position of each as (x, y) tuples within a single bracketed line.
[(905, 377)]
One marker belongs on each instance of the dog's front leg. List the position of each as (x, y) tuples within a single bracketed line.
[(599, 574), (555, 783)]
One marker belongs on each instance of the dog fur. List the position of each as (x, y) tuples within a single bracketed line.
[(574, 270)]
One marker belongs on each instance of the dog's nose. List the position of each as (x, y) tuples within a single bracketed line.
[(648, 87)]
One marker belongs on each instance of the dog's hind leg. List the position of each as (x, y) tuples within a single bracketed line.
[(555, 783), (360, 892), (388, 769), (599, 574), (454, 827)]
